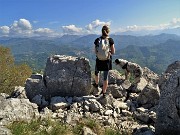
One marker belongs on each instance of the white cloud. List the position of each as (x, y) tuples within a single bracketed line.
[(139, 28), (21, 27), (88, 29), (175, 22), (93, 25), (45, 32), (172, 24), (4, 30), (22, 24), (72, 29)]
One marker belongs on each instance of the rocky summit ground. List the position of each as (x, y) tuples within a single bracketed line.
[(65, 93)]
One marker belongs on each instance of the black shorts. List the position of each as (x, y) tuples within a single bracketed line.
[(103, 65)]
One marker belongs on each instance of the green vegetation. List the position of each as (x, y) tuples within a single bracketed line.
[(49, 127), (110, 131), (11, 75), (90, 123), (38, 127)]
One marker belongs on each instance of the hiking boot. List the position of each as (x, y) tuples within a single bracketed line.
[(95, 85), (95, 91)]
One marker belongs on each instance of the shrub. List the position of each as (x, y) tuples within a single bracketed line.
[(11, 75)]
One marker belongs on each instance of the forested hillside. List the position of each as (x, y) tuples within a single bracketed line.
[(156, 57)]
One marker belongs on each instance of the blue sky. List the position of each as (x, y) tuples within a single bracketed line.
[(58, 17)]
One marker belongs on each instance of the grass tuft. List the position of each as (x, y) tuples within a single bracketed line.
[(50, 127)]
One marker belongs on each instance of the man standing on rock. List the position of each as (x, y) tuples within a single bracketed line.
[(104, 48)]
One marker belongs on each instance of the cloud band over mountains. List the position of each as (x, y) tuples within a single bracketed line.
[(24, 27)]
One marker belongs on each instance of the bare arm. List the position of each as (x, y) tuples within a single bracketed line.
[(112, 49)]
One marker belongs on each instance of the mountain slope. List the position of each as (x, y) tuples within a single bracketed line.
[(155, 52)]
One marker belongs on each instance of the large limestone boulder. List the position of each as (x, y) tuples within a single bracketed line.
[(63, 76), (168, 113), (67, 76)]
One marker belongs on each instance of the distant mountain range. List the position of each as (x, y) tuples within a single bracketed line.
[(153, 51), (151, 32)]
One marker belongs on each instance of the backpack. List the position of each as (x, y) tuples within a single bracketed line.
[(102, 49)]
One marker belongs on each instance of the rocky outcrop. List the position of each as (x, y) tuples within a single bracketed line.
[(168, 112), (170, 70), (15, 109), (65, 93), (149, 96), (63, 76), (173, 67)]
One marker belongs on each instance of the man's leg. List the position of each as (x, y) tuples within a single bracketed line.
[(97, 77), (105, 83), (96, 89)]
